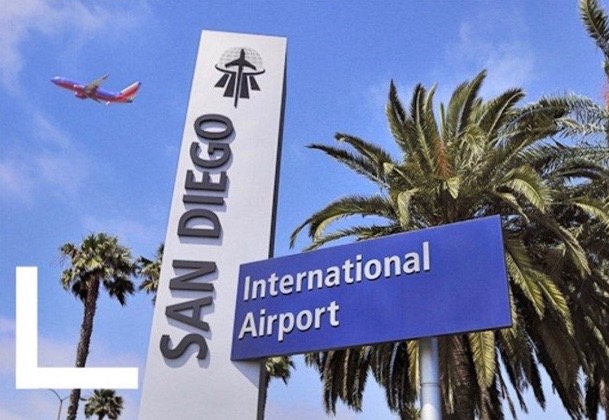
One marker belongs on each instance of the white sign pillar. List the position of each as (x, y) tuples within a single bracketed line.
[(222, 215), (431, 393)]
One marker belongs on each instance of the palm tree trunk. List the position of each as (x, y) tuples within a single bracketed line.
[(464, 401), (264, 381), (82, 351)]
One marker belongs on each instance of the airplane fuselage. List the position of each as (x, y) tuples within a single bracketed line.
[(81, 91)]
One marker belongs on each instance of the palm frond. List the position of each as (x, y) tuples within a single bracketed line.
[(345, 207), (360, 233), (521, 273), (498, 111), (483, 353), (358, 163), (594, 208), (524, 181), (595, 21)]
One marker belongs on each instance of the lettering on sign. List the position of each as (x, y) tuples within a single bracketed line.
[(200, 221)]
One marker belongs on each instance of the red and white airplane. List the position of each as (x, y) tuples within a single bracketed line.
[(93, 91)]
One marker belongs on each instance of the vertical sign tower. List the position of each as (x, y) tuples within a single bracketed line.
[(221, 215)]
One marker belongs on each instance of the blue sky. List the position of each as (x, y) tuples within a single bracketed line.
[(71, 167)]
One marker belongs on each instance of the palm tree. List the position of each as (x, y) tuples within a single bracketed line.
[(104, 402), (151, 271), (596, 23), (99, 261), (278, 367), (481, 158)]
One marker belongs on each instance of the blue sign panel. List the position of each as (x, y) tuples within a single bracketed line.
[(443, 280)]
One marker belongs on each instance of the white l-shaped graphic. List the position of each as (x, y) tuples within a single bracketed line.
[(27, 373)]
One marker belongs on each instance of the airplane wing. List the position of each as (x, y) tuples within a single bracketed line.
[(94, 85)]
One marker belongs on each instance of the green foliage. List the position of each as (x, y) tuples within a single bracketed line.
[(100, 258), (104, 403), (100, 261), (595, 21), (480, 158), (150, 270), (279, 367)]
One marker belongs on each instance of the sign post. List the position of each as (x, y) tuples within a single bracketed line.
[(431, 393), (222, 213)]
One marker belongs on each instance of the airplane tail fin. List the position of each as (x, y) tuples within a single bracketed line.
[(127, 94)]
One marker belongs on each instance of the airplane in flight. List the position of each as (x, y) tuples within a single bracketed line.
[(93, 91)]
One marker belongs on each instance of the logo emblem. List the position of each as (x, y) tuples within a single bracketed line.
[(240, 67)]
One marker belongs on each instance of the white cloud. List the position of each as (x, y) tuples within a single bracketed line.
[(20, 20), (47, 132), (54, 164), (508, 61), (65, 170), (491, 38), (15, 181)]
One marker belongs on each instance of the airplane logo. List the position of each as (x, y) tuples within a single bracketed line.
[(93, 91), (240, 67)]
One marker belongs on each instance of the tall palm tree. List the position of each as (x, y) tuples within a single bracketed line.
[(100, 260), (150, 270), (596, 22), (472, 159), (104, 402)]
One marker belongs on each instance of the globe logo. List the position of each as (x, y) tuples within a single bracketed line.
[(239, 66)]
